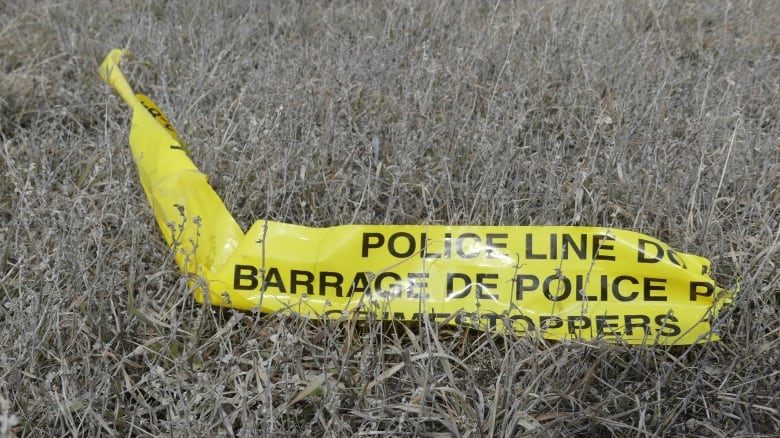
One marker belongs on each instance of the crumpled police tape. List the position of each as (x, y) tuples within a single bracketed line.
[(559, 281)]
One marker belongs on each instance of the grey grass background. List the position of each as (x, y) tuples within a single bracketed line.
[(660, 117)]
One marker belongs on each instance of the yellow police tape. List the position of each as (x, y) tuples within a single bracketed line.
[(558, 281)]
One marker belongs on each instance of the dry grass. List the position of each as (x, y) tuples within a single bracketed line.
[(661, 117)]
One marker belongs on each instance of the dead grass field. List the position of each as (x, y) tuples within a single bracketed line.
[(660, 117)]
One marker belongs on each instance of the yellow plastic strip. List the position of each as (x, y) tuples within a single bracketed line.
[(561, 282), (191, 216)]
